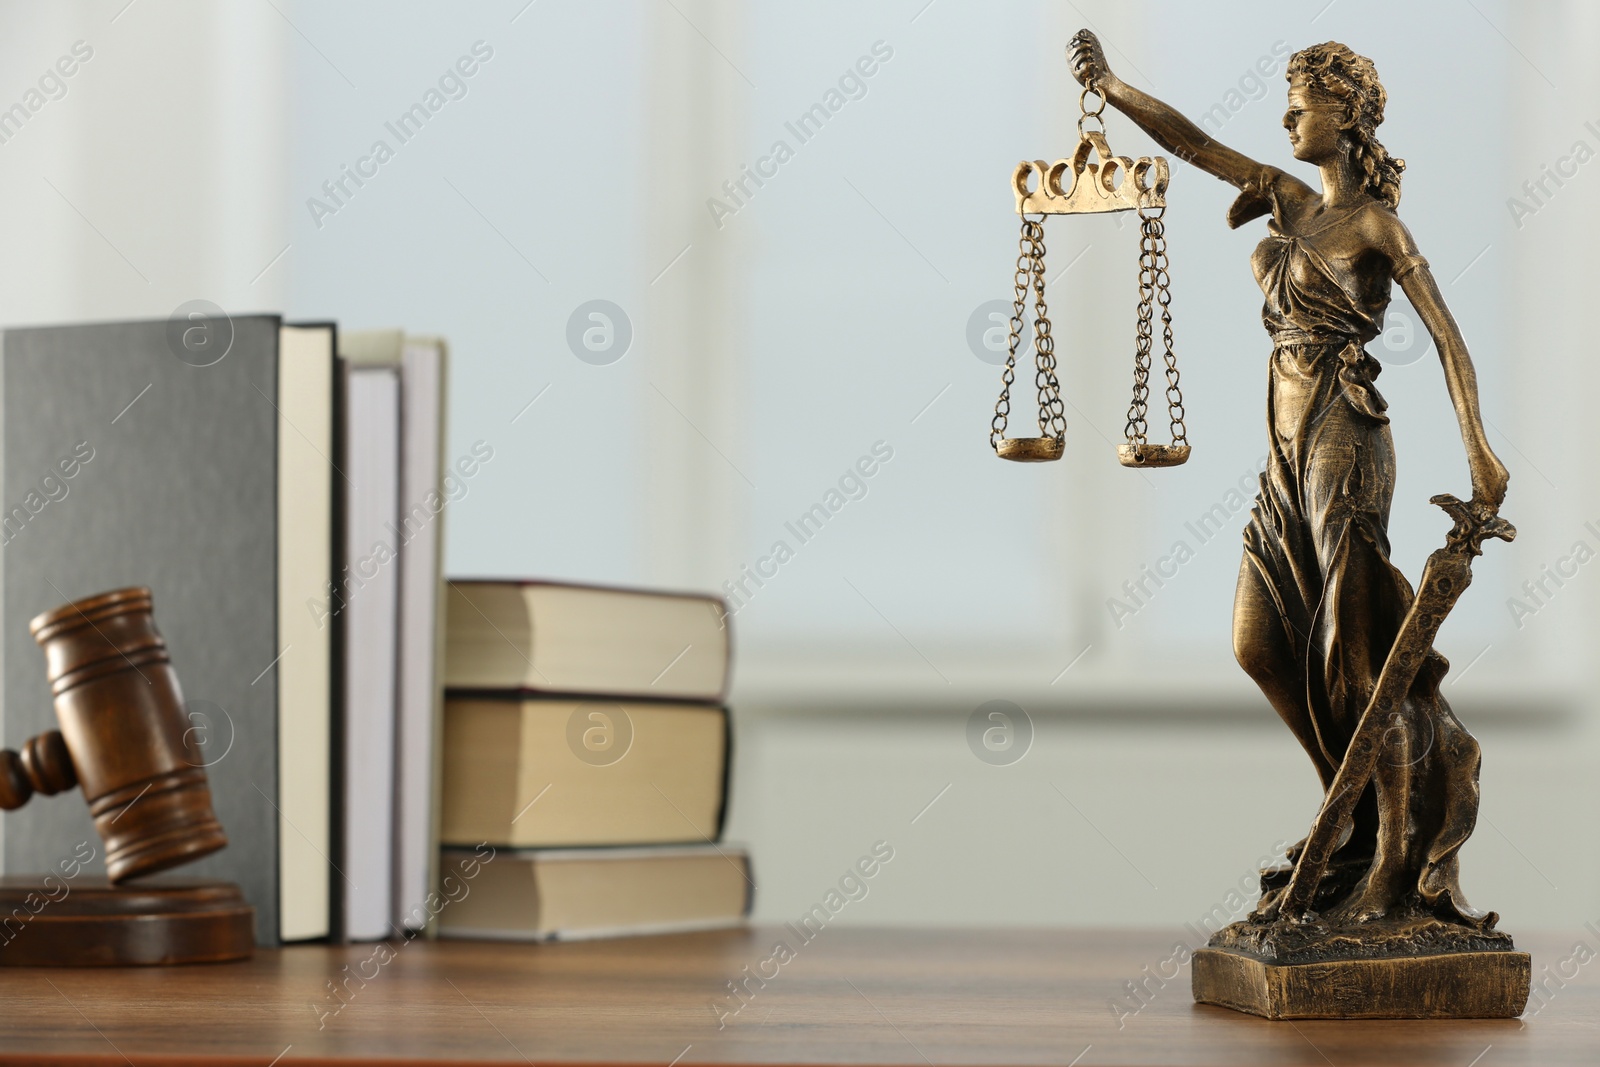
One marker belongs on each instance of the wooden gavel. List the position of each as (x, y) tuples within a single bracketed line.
[(122, 737)]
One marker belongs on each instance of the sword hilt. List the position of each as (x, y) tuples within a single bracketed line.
[(1475, 520)]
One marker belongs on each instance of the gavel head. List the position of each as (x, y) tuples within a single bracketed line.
[(122, 737)]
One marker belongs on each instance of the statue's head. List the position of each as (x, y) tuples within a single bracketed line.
[(1335, 107)]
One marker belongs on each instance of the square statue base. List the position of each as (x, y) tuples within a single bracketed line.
[(1416, 961), (1455, 985)]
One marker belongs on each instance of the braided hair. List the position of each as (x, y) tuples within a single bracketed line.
[(1333, 70)]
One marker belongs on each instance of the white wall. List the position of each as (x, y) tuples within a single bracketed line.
[(1115, 819), (159, 175)]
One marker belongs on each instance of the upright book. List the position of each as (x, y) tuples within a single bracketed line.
[(417, 538), (368, 603), (188, 457)]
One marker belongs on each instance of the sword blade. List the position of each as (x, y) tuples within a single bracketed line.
[(1444, 578)]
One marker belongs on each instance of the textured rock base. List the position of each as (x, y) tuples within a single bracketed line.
[(1456, 985)]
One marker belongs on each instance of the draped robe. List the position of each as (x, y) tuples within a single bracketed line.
[(1316, 558)]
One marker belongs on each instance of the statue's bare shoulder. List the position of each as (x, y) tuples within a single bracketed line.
[(1383, 231)]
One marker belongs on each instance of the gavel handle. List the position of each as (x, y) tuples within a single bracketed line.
[(43, 766)]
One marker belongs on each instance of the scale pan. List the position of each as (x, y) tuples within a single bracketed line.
[(1136, 455), (1030, 449)]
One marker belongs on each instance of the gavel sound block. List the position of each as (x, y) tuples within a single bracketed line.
[(123, 739)]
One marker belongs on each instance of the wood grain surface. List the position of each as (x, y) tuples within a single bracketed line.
[(871, 996)]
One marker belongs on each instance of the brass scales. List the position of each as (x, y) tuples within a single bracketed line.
[(1080, 186)]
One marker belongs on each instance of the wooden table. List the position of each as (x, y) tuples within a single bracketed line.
[(849, 996)]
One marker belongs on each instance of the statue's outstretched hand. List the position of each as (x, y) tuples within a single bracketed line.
[(1088, 60)]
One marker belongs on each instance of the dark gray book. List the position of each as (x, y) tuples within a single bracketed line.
[(177, 488)]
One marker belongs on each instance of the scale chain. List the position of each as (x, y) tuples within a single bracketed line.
[(1052, 413), (1154, 288), (1137, 426), (1030, 275)]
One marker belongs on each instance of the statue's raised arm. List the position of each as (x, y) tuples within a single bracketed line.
[(1160, 120)]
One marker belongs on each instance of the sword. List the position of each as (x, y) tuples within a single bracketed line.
[(1444, 579)]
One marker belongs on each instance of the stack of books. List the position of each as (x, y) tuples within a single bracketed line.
[(584, 764), (283, 490)]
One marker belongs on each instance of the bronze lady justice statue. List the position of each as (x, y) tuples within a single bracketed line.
[(1319, 605)]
